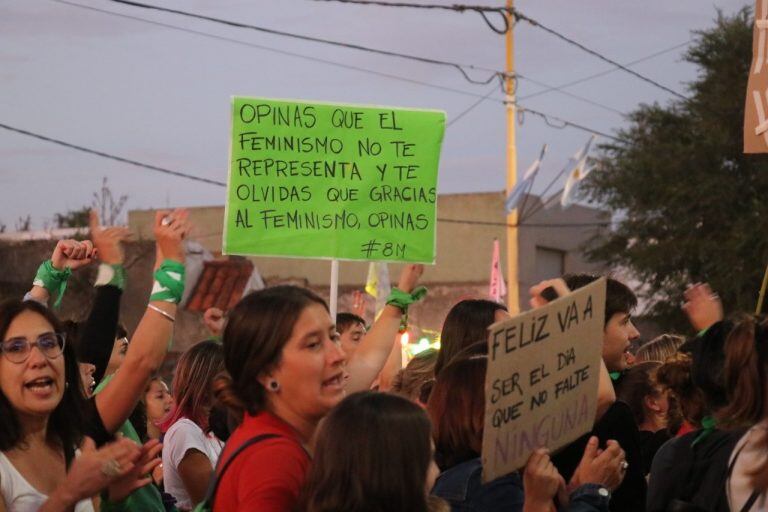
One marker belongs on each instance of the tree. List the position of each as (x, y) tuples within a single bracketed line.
[(690, 205), (73, 218), (24, 223), (104, 203)]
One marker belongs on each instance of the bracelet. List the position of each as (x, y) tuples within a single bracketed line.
[(166, 315), (52, 279), (113, 275), (169, 282)]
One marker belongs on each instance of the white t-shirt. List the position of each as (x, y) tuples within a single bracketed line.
[(20, 496), (739, 485), (183, 436)]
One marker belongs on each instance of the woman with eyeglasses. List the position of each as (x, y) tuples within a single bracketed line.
[(44, 414)]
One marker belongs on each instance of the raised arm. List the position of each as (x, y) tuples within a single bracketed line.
[(98, 334), (369, 358), (52, 275), (152, 338), (702, 307)]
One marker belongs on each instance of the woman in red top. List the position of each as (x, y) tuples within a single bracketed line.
[(286, 372)]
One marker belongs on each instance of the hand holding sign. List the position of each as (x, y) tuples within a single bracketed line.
[(542, 377), (603, 467), (541, 481)]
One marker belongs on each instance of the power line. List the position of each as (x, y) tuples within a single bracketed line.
[(279, 51), (462, 68), (564, 123), (530, 225), (110, 156), (335, 63), (470, 108), (485, 97), (288, 53), (518, 16), (587, 78), (222, 184), (571, 95)]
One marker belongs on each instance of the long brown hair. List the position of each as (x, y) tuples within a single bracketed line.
[(457, 410), (259, 326), (746, 377), (195, 371), (467, 323), (372, 455)]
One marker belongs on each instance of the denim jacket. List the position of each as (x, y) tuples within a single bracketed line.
[(462, 487)]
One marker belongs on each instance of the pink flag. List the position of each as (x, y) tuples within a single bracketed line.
[(497, 288)]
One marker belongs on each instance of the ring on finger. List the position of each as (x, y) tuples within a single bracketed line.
[(624, 465), (111, 468)]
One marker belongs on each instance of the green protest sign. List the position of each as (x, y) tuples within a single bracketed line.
[(318, 180)]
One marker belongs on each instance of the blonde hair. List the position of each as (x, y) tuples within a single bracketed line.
[(409, 381), (659, 348)]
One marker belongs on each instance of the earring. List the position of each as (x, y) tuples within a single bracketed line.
[(273, 386)]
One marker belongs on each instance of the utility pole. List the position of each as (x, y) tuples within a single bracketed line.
[(513, 288)]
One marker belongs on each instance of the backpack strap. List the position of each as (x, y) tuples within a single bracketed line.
[(213, 485)]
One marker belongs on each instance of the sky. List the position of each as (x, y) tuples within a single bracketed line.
[(155, 87)]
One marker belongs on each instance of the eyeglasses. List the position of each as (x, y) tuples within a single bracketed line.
[(17, 350)]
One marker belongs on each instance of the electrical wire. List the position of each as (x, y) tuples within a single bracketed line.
[(462, 68), (279, 51), (223, 184), (518, 16), (548, 119), (471, 107), (485, 97), (111, 156), (570, 95), (587, 78)]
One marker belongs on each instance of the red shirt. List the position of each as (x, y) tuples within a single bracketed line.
[(266, 476)]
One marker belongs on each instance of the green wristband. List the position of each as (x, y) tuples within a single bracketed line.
[(402, 300), (169, 282), (53, 280)]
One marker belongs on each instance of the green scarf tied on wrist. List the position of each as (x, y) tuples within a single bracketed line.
[(53, 280), (402, 300)]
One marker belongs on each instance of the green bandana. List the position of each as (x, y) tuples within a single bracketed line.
[(169, 282), (53, 280), (402, 300), (708, 425)]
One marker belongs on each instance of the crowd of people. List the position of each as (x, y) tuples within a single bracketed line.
[(287, 409)]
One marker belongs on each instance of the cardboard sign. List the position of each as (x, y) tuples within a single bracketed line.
[(541, 385), (315, 180), (756, 103)]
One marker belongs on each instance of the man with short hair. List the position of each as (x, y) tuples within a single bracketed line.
[(618, 332), (617, 423), (351, 327)]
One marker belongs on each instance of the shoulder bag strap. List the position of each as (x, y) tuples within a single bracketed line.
[(217, 475)]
